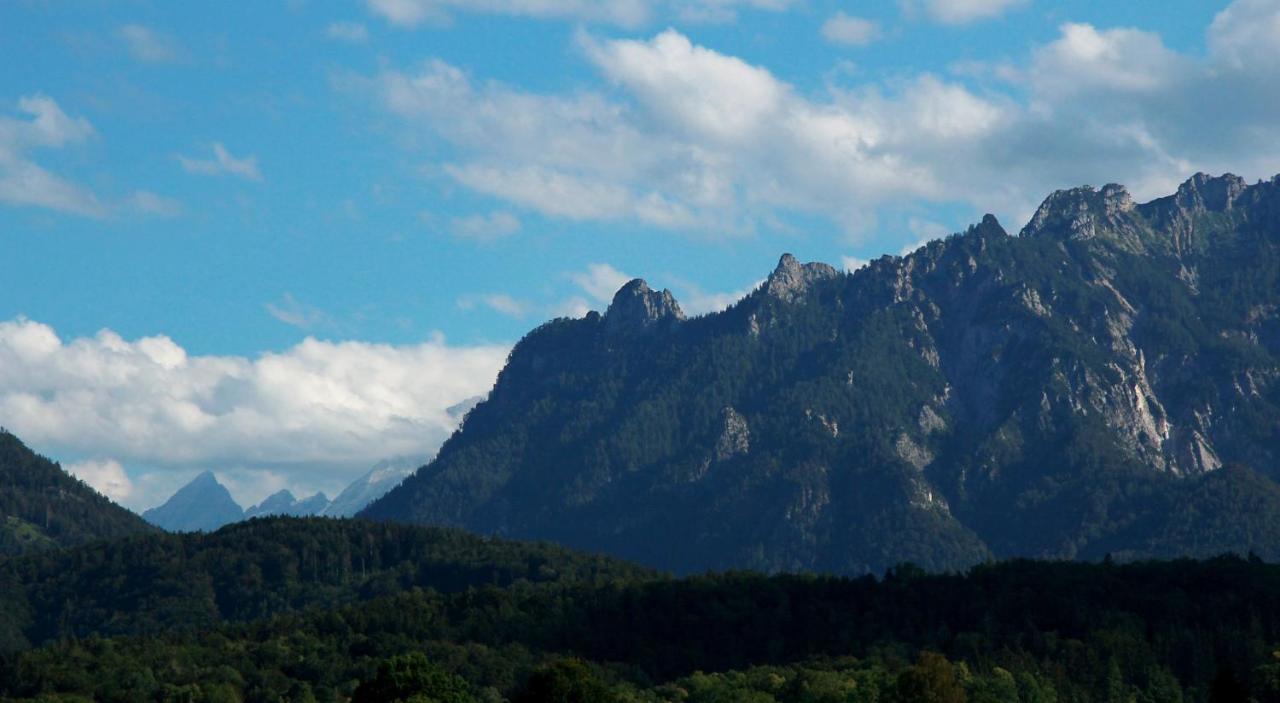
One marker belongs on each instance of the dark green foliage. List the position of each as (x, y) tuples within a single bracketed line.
[(565, 681), (42, 506), (1065, 393), (166, 584), (934, 679), (412, 678), (550, 626)]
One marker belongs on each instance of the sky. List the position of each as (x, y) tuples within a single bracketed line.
[(280, 240)]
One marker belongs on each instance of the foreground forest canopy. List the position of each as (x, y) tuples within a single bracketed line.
[(316, 609)]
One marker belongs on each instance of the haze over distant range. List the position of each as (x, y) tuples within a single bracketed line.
[(298, 271)]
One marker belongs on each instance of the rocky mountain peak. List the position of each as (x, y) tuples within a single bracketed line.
[(791, 278), (1084, 213), (204, 480), (636, 306), (990, 226), (204, 504), (1205, 193)]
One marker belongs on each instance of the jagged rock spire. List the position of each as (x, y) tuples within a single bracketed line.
[(1079, 213), (1205, 193), (791, 278), (636, 306)]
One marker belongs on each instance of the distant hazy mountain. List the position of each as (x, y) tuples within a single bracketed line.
[(202, 505), (283, 503), (384, 476), (1106, 381), (43, 506)]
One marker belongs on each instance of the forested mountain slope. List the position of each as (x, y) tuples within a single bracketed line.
[(163, 584), (42, 506), (1103, 382)]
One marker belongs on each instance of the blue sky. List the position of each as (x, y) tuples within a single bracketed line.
[(198, 198)]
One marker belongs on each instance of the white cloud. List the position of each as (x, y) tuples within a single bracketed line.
[(600, 281), (223, 163), (147, 44), (106, 476), (350, 32), (23, 182), (485, 228), (694, 90), (852, 263), (960, 11), (696, 301), (1084, 59), (1246, 33), (574, 307), (295, 313), (848, 30), (498, 302), (620, 13), (317, 413), (147, 203), (688, 138)]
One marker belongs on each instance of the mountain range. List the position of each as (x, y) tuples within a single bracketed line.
[(205, 505), (1102, 382)]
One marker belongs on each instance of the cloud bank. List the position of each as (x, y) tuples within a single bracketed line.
[(692, 139), (313, 415)]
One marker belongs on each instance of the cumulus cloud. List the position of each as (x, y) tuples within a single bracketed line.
[(960, 11), (223, 163), (619, 13), (698, 141), (107, 477), (848, 30), (148, 45), (1245, 34), (688, 138), (315, 413), (1085, 59), (23, 182)]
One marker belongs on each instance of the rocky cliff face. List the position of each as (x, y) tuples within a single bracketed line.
[(1057, 393), (637, 308)]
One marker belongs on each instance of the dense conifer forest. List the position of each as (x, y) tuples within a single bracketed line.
[(297, 610)]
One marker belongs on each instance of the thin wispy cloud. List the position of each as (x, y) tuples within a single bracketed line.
[(350, 32), (847, 30), (501, 303), (295, 313), (23, 181), (957, 12), (223, 163), (485, 228), (148, 45), (147, 203), (620, 13)]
